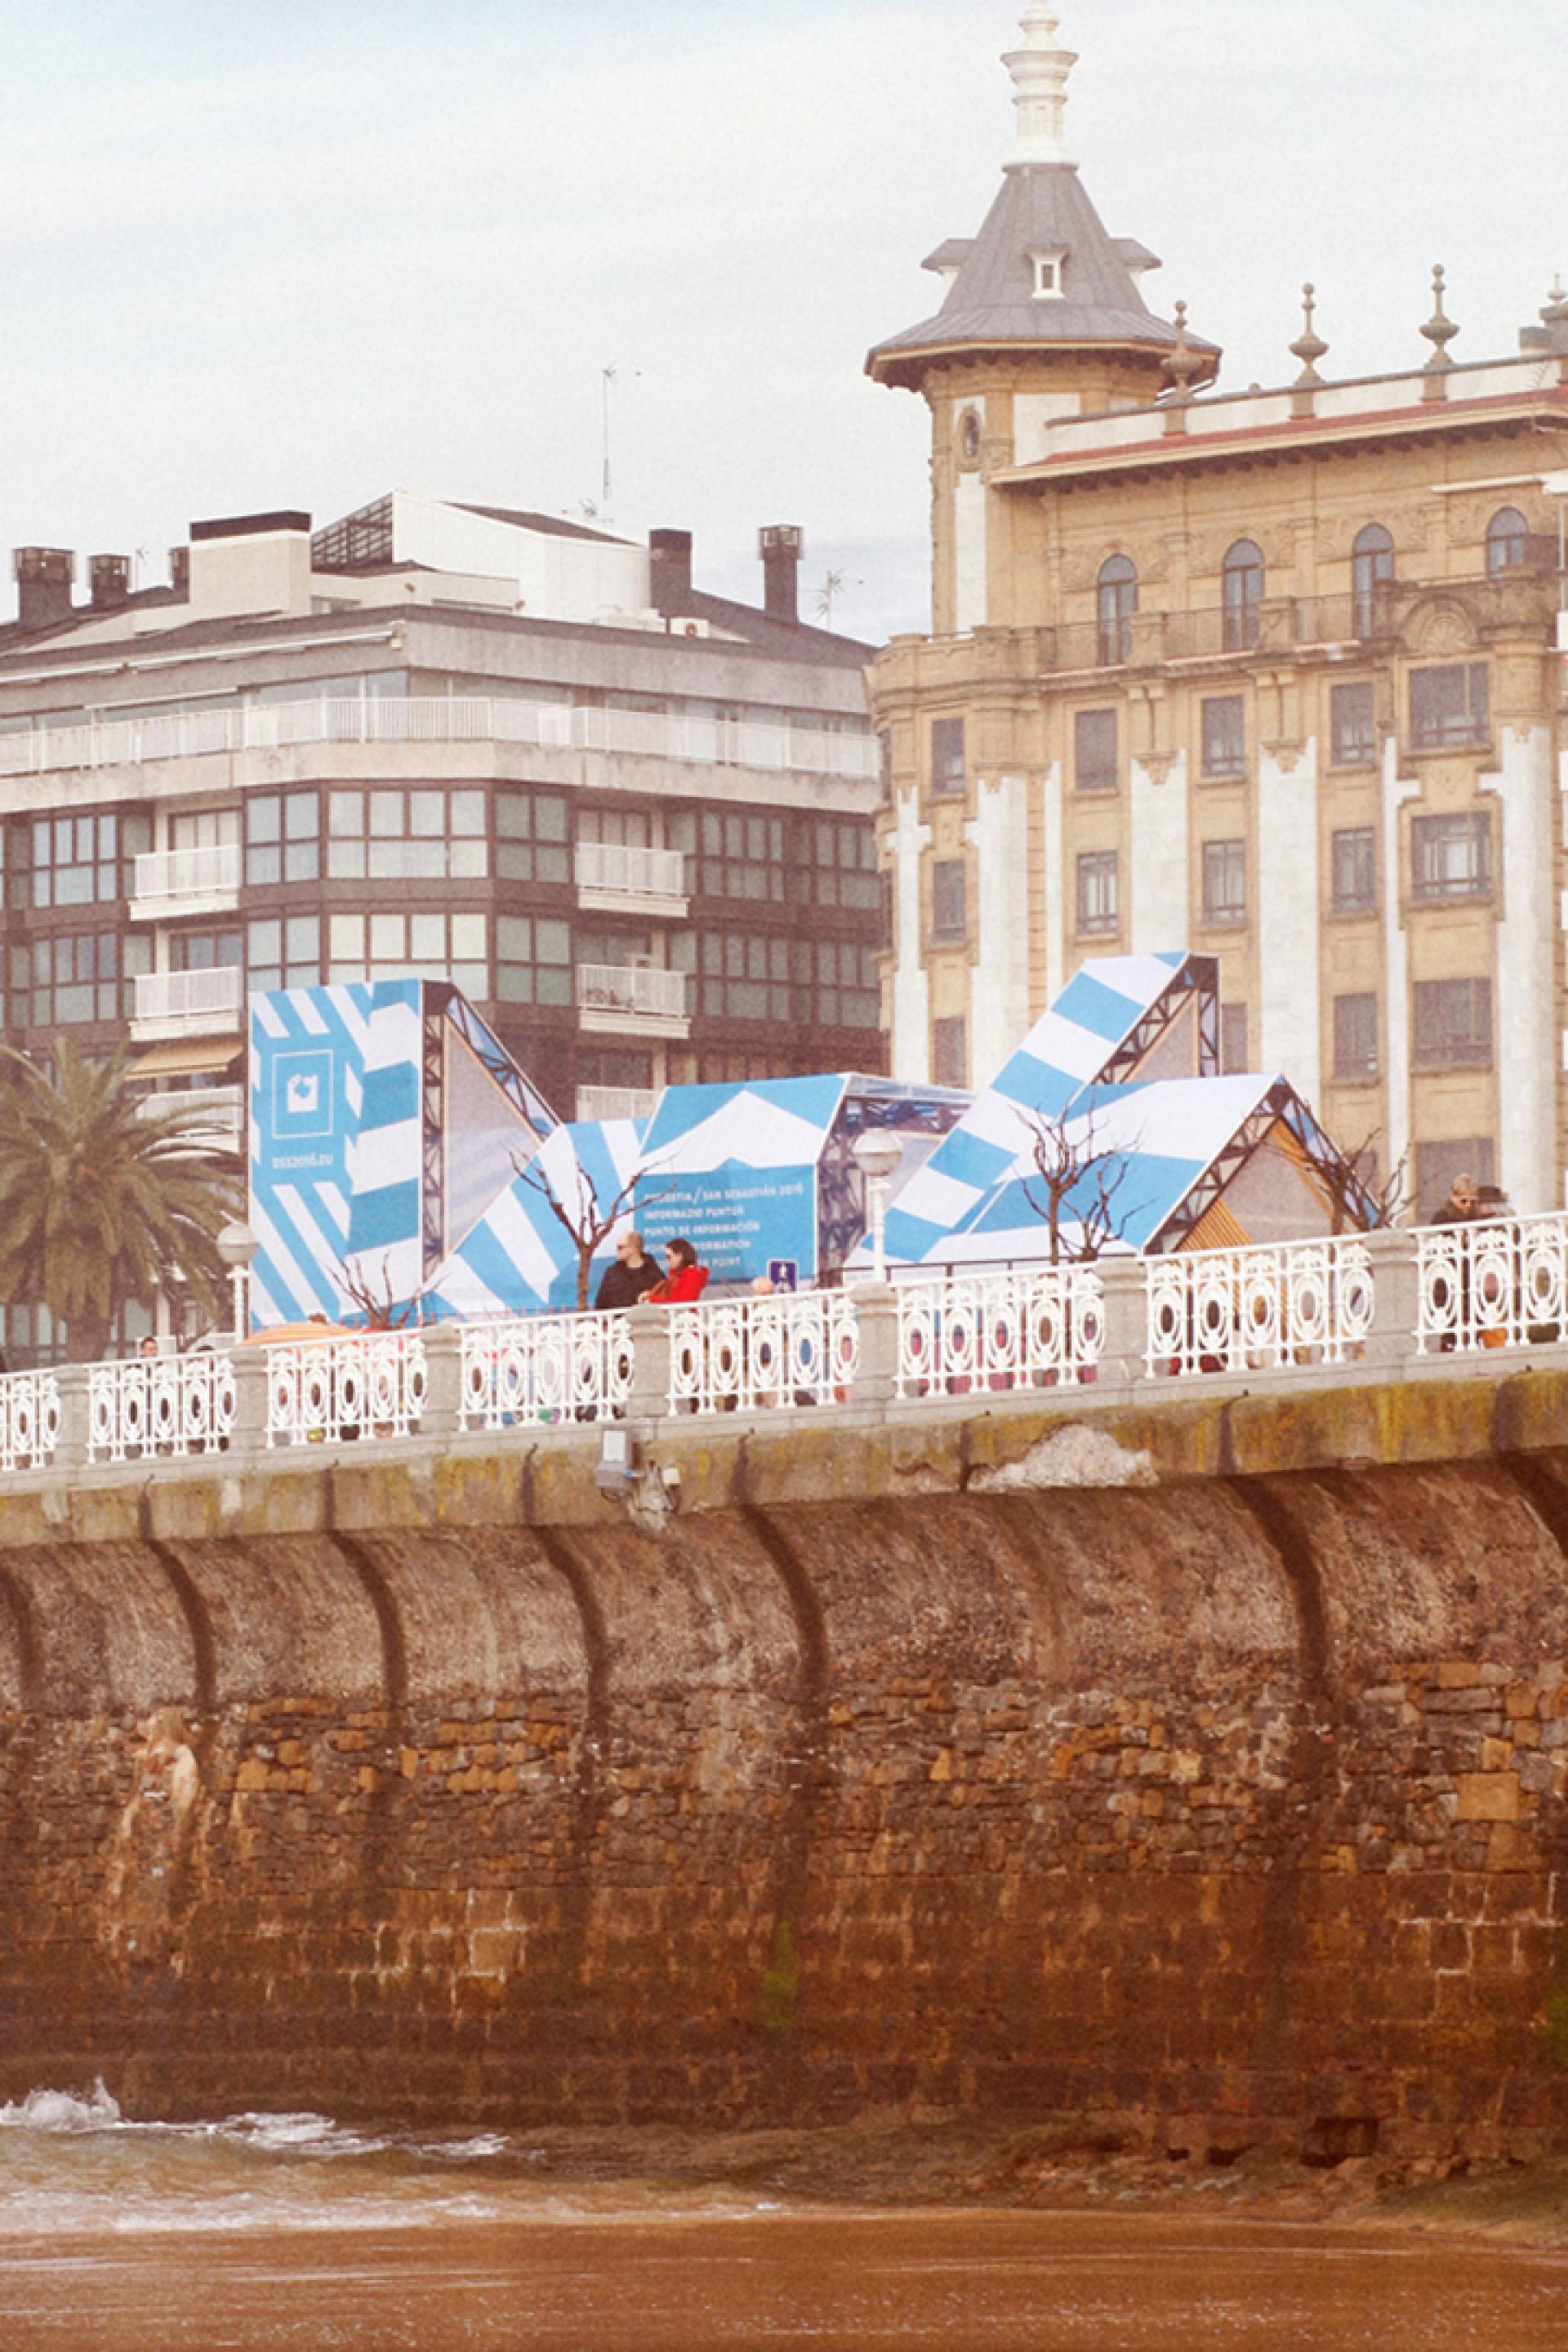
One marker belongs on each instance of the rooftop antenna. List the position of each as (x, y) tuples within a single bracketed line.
[(607, 376)]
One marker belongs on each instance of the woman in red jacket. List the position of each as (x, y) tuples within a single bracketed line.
[(684, 1280)]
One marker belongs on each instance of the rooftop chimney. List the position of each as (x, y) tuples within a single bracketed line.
[(44, 577), (180, 571), (109, 581), (669, 572), (250, 563), (779, 546)]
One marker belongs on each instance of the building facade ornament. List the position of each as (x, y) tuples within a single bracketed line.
[(1039, 69)]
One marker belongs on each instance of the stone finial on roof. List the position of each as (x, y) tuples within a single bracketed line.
[(1039, 71), (1555, 314), (1309, 346), (1439, 330), (1182, 363)]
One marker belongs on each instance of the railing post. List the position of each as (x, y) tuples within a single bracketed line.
[(649, 1397), (877, 1317), (76, 1419), (1125, 1292), (249, 1401), (443, 1412), (1397, 1295)]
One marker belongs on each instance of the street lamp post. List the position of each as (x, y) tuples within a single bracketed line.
[(238, 1246), (878, 1152)]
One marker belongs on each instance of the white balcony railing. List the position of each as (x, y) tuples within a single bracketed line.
[(548, 1367), (700, 739), (616, 1102), (637, 989), (189, 998), (1004, 1330), (171, 875), (619, 871), (214, 1111), (1258, 1309), (740, 1354)]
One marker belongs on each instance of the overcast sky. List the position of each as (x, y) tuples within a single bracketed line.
[(263, 253)]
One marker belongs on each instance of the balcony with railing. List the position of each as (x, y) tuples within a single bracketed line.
[(175, 882), (621, 879), (187, 1004), (620, 997), (616, 1102), (211, 1116), (698, 738)]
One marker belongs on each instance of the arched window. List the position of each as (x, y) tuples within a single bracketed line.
[(1507, 542), (1243, 584), (1372, 559), (1118, 594)]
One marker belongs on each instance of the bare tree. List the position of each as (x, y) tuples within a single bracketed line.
[(588, 1221), (1076, 1184), (1352, 1185), (371, 1291)]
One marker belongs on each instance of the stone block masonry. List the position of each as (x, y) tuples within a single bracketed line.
[(1222, 1810)]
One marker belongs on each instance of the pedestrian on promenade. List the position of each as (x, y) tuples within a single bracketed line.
[(684, 1280), (631, 1277)]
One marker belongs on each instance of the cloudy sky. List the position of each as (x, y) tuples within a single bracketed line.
[(262, 253)]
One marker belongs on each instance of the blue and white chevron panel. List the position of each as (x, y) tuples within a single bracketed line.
[(518, 1258), (385, 1157), (308, 1049), (1067, 1048)]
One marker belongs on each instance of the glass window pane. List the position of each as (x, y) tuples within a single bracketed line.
[(348, 937), (514, 939), (554, 942), (467, 812), (345, 813), (427, 816), (514, 817), (386, 939), (468, 936), (302, 819), (426, 938), (386, 815)]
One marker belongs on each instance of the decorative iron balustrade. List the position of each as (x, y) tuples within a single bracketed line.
[(741, 1355), (546, 1368), (30, 1419), (329, 1392), (1258, 1309), (152, 1405), (1004, 1330), (1501, 1282)]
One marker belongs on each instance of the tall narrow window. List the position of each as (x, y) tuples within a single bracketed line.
[(1372, 562), (1450, 706), (1453, 1025), (1242, 581), (1507, 542), (950, 1058), (1118, 601), (1095, 764), (948, 770), (1452, 855), (1225, 881), (1356, 1036), (1097, 907), (949, 920), (1225, 735), (1355, 870), (1353, 723)]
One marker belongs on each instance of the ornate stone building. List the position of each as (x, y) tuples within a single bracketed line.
[(1277, 676)]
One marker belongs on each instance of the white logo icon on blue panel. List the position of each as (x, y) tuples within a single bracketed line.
[(302, 1094)]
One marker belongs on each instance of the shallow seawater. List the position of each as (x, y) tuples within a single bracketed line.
[(285, 2230)]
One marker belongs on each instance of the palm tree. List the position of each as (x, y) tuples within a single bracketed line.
[(101, 1205)]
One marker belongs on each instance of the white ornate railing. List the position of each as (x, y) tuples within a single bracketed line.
[(322, 1391), (548, 1368), (1503, 1283), (694, 736), (172, 1405), (793, 1348), (1004, 1330), (30, 1420), (637, 989), (188, 995), (1252, 1309), (212, 871), (627, 872)]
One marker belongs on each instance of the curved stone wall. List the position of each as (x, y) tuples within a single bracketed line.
[(1202, 1813)]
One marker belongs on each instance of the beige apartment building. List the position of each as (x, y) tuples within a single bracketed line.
[(1278, 675)]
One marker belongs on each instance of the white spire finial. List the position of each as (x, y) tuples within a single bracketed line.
[(1039, 71)]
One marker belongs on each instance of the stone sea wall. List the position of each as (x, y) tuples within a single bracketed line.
[(1221, 1804)]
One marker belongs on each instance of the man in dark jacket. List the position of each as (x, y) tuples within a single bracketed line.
[(629, 1278)]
